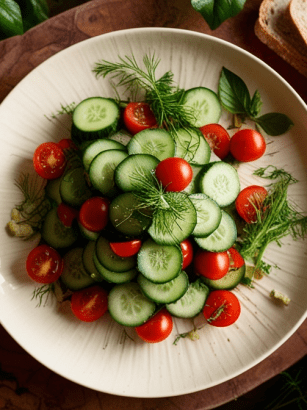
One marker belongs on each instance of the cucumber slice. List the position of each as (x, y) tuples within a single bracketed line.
[(129, 306), (121, 136), (87, 234), (110, 260), (232, 278), (164, 292), (132, 170), (101, 171), (192, 302), (209, 215), (174, 221), (52, 190), (74, 275), (204, 105), (157, 142), (192, 188), (159, 263), (127, 216), (55, 233), (192, 146), (220, 181), (89, 252), (113, 277), (73, 188), (222, 238), (96, 147), (94, 118)]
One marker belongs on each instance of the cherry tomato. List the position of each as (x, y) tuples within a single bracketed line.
[(211, 265), (247, 145), (187, 253), (235, 258), (66, 214), (93, 214), (67, 143), (222, 308), (138, 117), (218, 139), (44, 264), (249, 200), (89, 304), (49, 160), (157, 328), (126, 249), (174, 173)]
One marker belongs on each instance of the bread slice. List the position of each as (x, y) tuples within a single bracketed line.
[(275, 28), (298, 14)]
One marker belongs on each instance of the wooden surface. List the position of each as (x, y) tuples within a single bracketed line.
[(25, 383)]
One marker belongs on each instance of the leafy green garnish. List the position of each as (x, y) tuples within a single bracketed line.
[(215, 12), (42, 293), (235, 98)]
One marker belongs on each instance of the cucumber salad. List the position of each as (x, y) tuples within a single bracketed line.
[(141, 213)]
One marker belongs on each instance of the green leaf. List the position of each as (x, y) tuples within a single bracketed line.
[(233, 93), (256, 104), (274, 123), (33, 12), (215, 12), (10, 18)]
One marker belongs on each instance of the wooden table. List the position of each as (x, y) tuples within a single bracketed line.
[(25, 383)]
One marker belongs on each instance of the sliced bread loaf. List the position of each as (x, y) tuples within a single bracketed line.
[(275, 28), (298, 14)]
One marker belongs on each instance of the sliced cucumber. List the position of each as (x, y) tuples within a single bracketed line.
[(192, 146), (130, 173), (110, 260), (121, 136), (232, 278), (53, 190), (94, 118), (111, 276), (55, 233), (192, 188), (220, 181), (159, 263), (127, 215), (129, 306), (74, 275), (89, 252), (157, 142), (174, 221), (74, 189), (192, 302), (101, 171), (167, 292), (96, 147), (209, 215), (87, 234), (222, 238), (203, 104)]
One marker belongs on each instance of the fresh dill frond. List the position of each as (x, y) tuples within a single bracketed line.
[(42, 293)]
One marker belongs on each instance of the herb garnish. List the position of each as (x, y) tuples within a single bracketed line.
[(236, 99), (277, 219)]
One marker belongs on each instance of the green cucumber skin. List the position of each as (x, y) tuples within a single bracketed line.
[(75, 276), (227, 282)]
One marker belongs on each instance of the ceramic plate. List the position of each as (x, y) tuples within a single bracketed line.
[(100, 355)]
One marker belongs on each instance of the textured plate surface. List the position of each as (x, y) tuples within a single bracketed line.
[(100, 355)]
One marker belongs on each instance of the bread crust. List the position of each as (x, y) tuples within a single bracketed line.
[(298, 13)]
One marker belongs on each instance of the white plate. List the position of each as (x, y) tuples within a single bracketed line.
[(98, 355)]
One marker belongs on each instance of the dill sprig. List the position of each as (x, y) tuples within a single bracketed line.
[(163, 96), (276, 219), (42, 293)]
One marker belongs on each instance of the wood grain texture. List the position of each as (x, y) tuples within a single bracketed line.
[(25, 383)]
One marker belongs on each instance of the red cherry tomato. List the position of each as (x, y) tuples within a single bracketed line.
[(89, 304), (187, 253), (249, 200), (235, 258), (157, 328), (44, 264), (138, 117), (67, 143), (174, 173), (212, 265), (49, 160), (247, 145), (66, 214), (218, 139), (93, 214), (222, 308), (126, 249)]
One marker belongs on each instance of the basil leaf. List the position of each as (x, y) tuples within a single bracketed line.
[(33, 12), (274, 123), (215, 12), (10, 18), (233, 93), (255, 105)]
